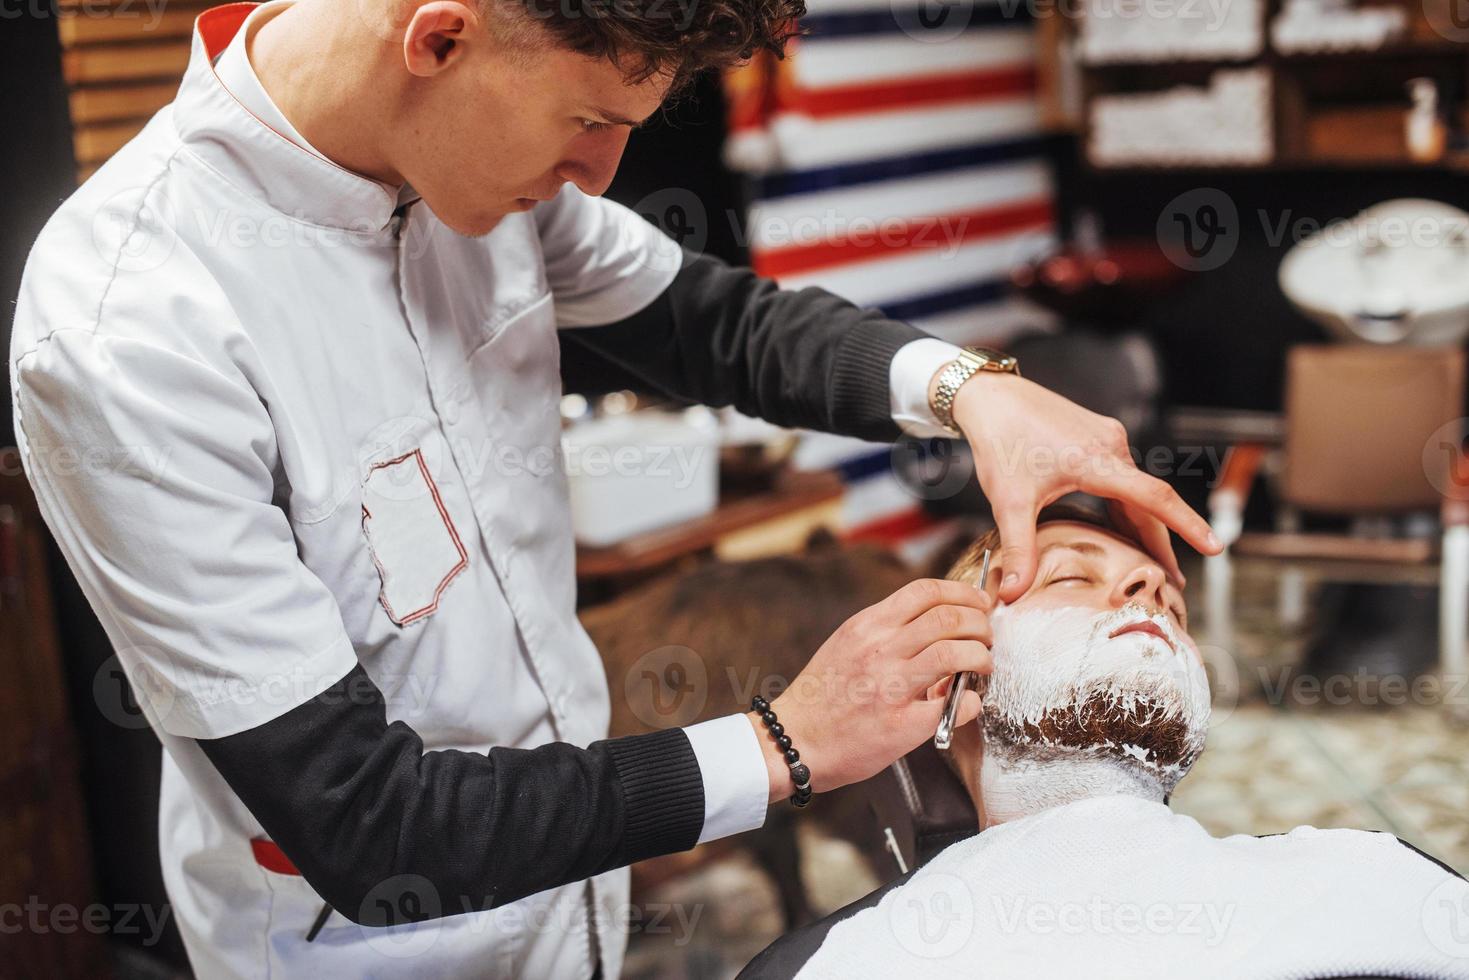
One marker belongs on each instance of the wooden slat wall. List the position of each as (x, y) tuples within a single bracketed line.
[(122, 61), (43, 832)]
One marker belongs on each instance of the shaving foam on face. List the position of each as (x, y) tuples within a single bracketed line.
[(1071, 712)]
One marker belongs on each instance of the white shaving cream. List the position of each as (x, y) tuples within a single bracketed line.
[(1050, 660)]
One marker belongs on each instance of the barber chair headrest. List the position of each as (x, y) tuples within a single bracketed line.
[(924, 804)]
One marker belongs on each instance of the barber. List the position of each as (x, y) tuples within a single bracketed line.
[(286, 380)]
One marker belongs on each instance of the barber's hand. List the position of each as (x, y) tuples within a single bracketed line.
[(873, 692), (1032, 446)]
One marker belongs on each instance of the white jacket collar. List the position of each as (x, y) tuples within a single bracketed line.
[(227, 137)]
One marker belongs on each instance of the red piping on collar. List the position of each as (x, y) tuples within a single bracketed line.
[(218, 26)]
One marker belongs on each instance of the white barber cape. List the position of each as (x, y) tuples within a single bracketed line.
[(314, 430), (1122, 887)]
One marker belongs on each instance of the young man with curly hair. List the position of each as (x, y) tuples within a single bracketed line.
[(285, 372)]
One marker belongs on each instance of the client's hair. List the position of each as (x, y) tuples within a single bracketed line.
[(966, 567)]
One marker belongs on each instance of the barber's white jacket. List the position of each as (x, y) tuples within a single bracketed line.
[(278, 430)]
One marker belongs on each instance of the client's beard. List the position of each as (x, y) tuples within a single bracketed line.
[(1061, 689)]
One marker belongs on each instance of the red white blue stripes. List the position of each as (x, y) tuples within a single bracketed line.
[(897, 159)]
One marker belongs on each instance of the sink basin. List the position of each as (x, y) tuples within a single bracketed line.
[(1396, 273)]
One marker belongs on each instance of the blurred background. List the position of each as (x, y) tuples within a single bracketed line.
[(1236, 225)]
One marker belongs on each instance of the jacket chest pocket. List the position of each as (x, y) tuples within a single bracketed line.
[(410, 531)]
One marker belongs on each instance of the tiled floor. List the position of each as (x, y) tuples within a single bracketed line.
[(1269, 766)]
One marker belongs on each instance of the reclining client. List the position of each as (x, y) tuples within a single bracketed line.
[(1097, 706)]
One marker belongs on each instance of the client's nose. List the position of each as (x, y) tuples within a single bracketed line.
[(1142, 584)]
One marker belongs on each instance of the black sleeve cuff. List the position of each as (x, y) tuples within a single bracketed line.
[(862, 376), (662, 793)]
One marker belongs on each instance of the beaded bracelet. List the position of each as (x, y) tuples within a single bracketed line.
[(800, 774)]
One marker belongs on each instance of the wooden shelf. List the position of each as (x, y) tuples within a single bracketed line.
[(793, 493), (1333, 110)]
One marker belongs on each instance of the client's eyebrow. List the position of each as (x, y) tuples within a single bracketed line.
[(1081, 547)]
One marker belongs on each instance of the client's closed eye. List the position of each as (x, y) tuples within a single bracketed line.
[(1066, 575)]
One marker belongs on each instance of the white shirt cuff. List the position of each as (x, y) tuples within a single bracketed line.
[(736, 782), (912, 369)]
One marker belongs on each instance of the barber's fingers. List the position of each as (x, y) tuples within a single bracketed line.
[(925, 715), (1146, 494), (944, 659), (947, 622), (941, 689), (921, 595), (1015, 520), (1153, 534)]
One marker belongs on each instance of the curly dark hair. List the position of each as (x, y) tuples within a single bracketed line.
[(677, 38)]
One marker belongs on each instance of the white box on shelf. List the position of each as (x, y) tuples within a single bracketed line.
[(633, 473)]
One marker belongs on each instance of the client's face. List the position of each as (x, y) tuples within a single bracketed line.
[(1096, 659)]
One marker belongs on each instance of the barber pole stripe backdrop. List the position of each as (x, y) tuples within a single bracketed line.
[(897, 159)]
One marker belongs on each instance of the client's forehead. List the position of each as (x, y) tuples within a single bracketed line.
[(1089, 537)]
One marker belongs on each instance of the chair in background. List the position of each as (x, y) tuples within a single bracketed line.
[(1370, 434)]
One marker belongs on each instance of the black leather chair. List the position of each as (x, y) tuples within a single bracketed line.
[(921, 807)]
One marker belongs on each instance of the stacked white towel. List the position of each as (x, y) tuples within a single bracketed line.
[(1311, 26), (1122, 887), (1170, 30), (1230, 122)]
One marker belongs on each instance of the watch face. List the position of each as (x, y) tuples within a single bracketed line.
[(992, 360)]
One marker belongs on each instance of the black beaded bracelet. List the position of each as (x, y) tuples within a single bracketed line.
[(800, 774)]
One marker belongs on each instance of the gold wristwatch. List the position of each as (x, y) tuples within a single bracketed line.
[(971, 361)]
